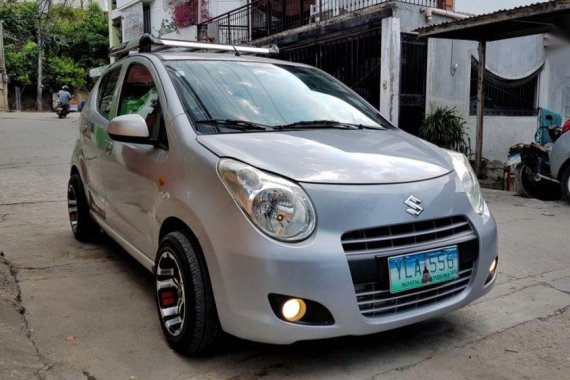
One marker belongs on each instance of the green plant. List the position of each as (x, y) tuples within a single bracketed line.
[(445, 128), (74, 40), (62, 70)]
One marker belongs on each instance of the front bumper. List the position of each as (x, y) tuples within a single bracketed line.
[(248, 266)]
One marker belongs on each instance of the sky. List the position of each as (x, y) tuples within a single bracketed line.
[(486, 6)]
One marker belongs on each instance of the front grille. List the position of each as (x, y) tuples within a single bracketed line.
[(368, 262), (402, 236), (374, 302)]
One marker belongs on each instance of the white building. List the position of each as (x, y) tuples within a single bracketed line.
[(162, 18), (523, 74)]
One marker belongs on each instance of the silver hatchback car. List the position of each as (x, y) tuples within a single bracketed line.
[(271, 202)]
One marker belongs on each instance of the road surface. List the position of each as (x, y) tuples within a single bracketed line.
[(78, 311)]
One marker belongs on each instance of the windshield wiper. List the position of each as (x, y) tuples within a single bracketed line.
[(323, 124), (240, 125)]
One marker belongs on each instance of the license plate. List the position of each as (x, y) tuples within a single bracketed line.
[(514, 160), (423, 268)]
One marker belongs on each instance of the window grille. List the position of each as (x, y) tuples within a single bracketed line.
[(505, 97)]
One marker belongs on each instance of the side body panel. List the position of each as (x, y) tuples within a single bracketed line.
[(131, 182)]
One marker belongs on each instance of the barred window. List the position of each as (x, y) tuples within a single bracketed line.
[(505, 97)]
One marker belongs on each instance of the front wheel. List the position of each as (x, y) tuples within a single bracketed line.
[(184, 296)]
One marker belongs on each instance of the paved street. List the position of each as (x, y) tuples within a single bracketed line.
[(78, 311)]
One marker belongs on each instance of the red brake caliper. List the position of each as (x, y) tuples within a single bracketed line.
[(167, 298)]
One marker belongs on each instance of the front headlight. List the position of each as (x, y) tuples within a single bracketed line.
[(278, 207), (469, 180)]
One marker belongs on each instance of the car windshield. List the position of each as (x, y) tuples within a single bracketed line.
[(225, 96)]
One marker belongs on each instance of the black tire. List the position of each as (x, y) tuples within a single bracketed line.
[(185, 300), (524, 183), (527, 187), (83, 226), (565, 184)]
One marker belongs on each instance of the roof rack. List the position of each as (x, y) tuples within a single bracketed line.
[(150, 44)]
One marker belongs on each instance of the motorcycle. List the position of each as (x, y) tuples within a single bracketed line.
[(62, 110), (531, 162)]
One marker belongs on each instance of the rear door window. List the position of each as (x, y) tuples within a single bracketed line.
[(106, 92)]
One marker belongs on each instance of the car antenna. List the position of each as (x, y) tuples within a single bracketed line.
[(237, 52)]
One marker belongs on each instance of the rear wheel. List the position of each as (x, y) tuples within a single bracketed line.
[(565, 182), (83, 226), (184, 296), (526, 186)]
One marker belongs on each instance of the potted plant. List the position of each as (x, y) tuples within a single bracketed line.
[(445, 128)]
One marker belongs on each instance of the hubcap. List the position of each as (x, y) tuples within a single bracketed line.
[(72, 207), (170, 293)]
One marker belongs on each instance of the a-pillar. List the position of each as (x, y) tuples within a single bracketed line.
[(390, 69)]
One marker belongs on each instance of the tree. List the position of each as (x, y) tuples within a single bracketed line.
[(20, 34), (81, 35), (73, 41), (21, 63), (62, 70)]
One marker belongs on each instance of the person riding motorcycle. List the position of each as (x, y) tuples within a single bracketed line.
[(63, 99)]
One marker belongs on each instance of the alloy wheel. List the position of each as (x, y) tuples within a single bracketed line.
[(72, 207), (170, 293)]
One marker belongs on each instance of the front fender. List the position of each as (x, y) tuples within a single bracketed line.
[(78, 160)]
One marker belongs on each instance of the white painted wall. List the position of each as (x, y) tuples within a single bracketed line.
[(161, 14), (487, 6), (390, 69), (218, 7), (448, 83), (500, 133)]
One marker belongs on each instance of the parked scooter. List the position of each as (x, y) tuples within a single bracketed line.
[(532, 173), (62, 110)]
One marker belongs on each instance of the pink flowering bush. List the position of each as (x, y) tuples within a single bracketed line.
[(185, 13)]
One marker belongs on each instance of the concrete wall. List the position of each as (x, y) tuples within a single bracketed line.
[(449, 76), (219, 7), (448, 83), (555, 86), (390, 69)]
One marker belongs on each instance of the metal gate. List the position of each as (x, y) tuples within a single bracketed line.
[(354, 59), (412, 82)]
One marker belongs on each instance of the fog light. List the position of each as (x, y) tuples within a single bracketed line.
[(294, 309), (493, 266)]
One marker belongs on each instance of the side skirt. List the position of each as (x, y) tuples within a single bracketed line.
[(131, 249)]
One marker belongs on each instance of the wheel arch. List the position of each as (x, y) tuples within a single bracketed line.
[(172, 224), (74, 170)]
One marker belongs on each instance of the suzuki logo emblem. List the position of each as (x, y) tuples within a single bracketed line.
[(414, 206)]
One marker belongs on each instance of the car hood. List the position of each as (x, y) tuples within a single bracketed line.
[(335, 156)]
